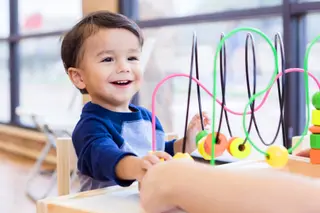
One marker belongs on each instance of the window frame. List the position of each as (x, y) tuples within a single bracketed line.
[(293, 15)]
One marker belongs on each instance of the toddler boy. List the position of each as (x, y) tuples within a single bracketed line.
[(101, 55)]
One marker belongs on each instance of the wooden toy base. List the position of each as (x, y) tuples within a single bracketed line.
[(123, 200)]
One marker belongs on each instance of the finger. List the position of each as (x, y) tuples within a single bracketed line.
[(163, 155), (146, 164), (152, 158), (206, 117)]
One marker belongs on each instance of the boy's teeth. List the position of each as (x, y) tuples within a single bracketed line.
[(122, 82)]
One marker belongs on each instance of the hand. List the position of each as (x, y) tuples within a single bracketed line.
[(151, 159), (155, 199), (194, 128)]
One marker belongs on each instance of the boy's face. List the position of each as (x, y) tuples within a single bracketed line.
[(110, 67)]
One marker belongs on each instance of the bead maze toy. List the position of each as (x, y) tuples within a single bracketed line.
[(212, 144)]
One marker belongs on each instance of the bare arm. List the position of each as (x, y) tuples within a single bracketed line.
[(130, 168), (201, 188)]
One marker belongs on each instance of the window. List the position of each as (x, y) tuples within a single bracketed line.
[(40, 16), (4, 83), (4, 18), (175, 8), (45, 87), (171, 54)]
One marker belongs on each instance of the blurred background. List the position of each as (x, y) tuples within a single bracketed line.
[(39, 102)]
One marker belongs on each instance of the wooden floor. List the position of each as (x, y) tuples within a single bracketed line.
[(14, 171)]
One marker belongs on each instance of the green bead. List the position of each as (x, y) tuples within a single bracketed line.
[(200, 135), (315, 141), (316, 100)]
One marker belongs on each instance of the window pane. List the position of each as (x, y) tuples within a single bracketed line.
[(4, 83), (4, 18), (175, 8), (45, 87), (39, 16), (171, 54)]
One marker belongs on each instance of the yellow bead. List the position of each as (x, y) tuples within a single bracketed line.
[(239, 150), (180, 155), (277, 156), (201, 149), (315, 117)]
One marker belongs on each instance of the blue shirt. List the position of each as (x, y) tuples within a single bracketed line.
[(102, 138)]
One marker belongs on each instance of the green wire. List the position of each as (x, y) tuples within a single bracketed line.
[(212, 162)]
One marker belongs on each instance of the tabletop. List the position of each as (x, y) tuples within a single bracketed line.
[(122, 200)]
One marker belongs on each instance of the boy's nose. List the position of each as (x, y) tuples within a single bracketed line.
[(123, 67)]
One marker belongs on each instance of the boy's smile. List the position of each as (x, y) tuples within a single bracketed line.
[(110, 68)]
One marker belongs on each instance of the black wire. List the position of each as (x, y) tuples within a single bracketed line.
[(194, 52), (223, 84), (280, 96), (198, 77), (249, 37), (223, 77)]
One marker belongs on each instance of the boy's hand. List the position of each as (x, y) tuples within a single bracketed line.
[(151, 159), (194, 128)]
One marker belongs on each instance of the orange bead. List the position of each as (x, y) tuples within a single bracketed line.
[(314, 129), (221, 144), (315, 156), (277, 156)]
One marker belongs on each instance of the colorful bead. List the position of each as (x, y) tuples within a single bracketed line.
[(221, 144), (316, 100), (201, 135), (314, 129), (315, 141), (277, 156), (315, 117), (314, 156), (180, 155), (237, 149), (201, 150)]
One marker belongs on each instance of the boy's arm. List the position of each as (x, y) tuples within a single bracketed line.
[(225, 190), (101, 159), (129, 168)]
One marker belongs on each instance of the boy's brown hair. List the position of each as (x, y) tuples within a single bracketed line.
[(72, 43)]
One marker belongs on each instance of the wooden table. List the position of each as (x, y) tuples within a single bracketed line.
[(125, 200)]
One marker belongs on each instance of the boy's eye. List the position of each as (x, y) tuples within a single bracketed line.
[(132, 58), (108, 59)]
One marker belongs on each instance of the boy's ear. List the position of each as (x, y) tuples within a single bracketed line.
[(76, 77)]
